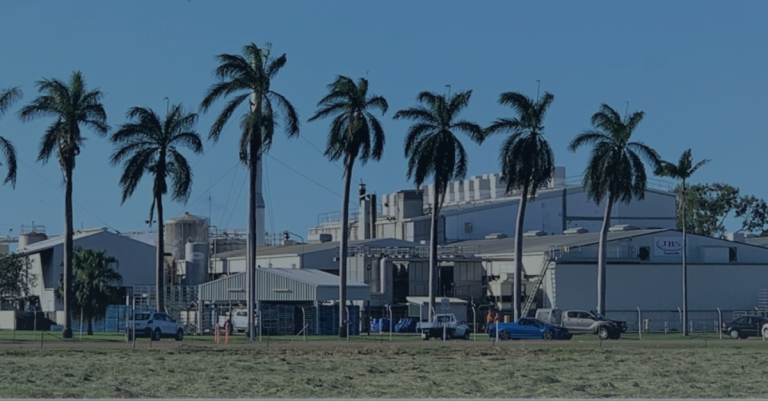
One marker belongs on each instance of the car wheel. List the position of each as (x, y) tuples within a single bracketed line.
[(503, 335), (568, 336), (156, 335), (765, 334), (466, 335), (603, 333), (180, 335), (446, 336), (547, 335), (734, 334)]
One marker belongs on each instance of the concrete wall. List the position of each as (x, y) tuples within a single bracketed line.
[(656, 210)]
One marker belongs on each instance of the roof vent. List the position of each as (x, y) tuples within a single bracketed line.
[(496, 236), (535, 233), (735, 237), (325, 237), (622, 227), (575, 230)]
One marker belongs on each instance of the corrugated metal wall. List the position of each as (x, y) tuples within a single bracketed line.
[(273, 287)]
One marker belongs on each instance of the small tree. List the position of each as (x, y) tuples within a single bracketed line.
[(16, 279), (95, 277)]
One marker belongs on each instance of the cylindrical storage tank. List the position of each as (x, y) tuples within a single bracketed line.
[(197, 262), (27, 239), (182, 229)]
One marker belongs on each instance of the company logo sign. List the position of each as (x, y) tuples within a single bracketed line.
[(198, 255), (668, 246)]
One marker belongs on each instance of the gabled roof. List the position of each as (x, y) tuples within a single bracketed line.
[(545, 243), (78, 235), (298, 249), (317, 278)]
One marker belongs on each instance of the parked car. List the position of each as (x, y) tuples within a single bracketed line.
[(584, 322), (443, 325), (155, 325), (237, 320), (529, 328), (765, 331), (745, 326)]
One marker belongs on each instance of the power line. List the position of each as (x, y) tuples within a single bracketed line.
[(73, 200), (226, 204), (309, 179), (214, 184), (237, 200)]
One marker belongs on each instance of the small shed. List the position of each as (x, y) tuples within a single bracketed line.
[(282, 285), (420, 306)]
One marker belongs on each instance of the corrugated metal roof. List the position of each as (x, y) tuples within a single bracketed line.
[(298, 249), (545, 243), (54, 241), (757, 241), (275, 284)]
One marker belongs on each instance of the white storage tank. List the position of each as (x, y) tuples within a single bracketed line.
[(30, 238), (197, 262), (182, 229)]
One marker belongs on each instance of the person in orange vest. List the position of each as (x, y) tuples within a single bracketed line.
[(497, 317), (488, 320)]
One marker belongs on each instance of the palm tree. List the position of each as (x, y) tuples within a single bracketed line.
[(150, 145), (8, 97), (94, 280), (432, 148), (248, 78), (527, 162), (615, 171), (683, 170), (71, 105), (354, 132)]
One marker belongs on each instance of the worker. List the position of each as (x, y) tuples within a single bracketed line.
[(488, 320)]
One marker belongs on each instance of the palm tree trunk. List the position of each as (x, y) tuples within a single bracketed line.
[(603, 254), (251, 258), (518, 284), (348, 164), (68, 250), (433, 262), (685, 268), (160, 268)]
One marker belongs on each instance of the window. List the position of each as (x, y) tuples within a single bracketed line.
[(573, 315)]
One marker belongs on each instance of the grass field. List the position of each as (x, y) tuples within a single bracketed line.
[(655, 367)]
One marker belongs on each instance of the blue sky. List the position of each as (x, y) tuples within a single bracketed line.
[(697, 68)]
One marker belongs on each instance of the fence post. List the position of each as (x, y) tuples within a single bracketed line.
[(720, 322), (680, 319), (474, 323), (639, 324), (391, 323)]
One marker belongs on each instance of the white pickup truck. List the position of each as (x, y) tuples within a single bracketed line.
[(238, 320), (443, 324)]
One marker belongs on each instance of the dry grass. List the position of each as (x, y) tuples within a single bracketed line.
[(571, 369)]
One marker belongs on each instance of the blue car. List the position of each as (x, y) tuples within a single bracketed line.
[(529, 328)]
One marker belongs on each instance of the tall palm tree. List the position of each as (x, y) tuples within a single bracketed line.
[(354, 132), (71, 105), (248, 77), (615, 172), (95, 277), (433, 149), (527, 162), (683, 170), (8, 97), (149, 144)]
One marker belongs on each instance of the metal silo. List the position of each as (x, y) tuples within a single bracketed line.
[(182, 229), (197, 262)]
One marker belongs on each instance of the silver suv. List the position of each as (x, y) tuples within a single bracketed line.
[(154, 325)]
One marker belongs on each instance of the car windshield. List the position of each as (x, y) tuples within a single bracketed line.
[(141, 316)]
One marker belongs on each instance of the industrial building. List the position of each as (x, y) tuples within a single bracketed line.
[(136, 261), (288, 300), (479, 206), (644, 272)]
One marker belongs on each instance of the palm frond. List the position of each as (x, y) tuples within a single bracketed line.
[(9, 152), (8, 97)]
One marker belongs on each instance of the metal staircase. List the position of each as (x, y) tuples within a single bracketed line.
[(550, 258), (536, 285)]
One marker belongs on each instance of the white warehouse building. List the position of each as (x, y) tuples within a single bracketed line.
[(136, 261), (479, 206), (644, 271)]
